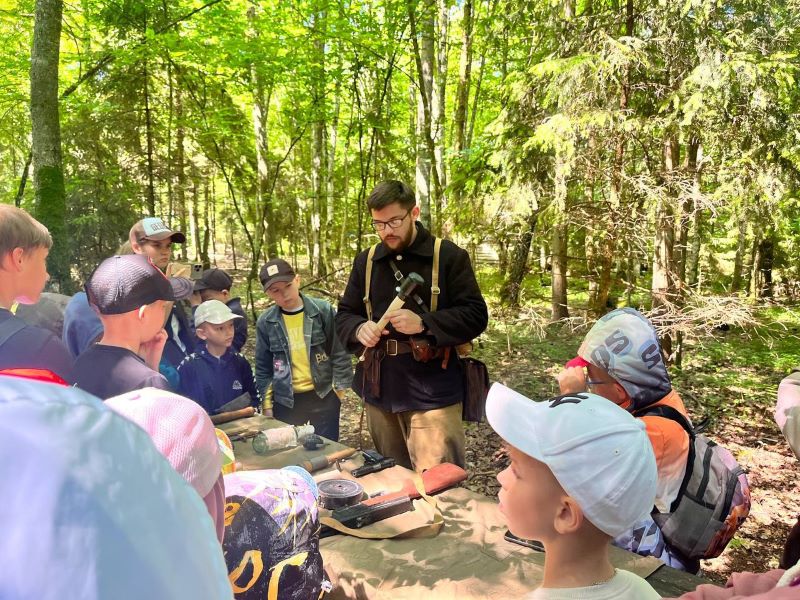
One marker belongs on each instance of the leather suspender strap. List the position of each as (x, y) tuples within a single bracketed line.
[(435, 290), (367, 301)]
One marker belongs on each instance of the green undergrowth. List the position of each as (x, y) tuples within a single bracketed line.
[(730, 374)]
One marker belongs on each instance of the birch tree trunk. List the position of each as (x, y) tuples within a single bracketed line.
[(148, 130), (462, 91), (262, 93), (559, 309), (438, 96), (317, 257), (424, 57), (180, 168)]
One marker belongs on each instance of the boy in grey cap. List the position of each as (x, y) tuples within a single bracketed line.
[(215, 374)]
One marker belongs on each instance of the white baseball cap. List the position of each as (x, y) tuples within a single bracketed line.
[(598, 452), (214, 312)]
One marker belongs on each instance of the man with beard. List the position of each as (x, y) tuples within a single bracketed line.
[(410, 376)]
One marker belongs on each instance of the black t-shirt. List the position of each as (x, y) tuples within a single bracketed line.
[(32, 347), (108, 371)]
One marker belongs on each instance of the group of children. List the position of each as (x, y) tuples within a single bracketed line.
[(130, 329), (584, 471)]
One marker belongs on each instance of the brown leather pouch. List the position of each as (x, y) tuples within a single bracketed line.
[(422, 350), (476, 388), (372, 369)]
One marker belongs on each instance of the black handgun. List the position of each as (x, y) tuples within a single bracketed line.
[(361, 515), (373, 462)]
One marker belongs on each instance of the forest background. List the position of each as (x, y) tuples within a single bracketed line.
[(588, 153)]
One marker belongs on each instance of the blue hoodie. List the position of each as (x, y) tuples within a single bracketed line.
[(82, 326), (213, 382)]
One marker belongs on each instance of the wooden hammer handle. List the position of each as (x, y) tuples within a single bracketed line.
[(225, 417)]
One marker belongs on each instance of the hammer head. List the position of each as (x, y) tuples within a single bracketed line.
[(409, 285)]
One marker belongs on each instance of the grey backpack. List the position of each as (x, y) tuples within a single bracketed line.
[(714, 498)]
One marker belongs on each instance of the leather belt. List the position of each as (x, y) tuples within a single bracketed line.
[(394, 347)]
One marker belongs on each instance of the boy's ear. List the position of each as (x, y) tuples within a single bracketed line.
[(201, 332), (226, 293), (12, 260), (569, 517)]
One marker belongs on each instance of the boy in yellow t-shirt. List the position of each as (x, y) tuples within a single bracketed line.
[(299, 357)]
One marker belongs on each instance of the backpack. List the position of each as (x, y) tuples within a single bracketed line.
[(714, 497)]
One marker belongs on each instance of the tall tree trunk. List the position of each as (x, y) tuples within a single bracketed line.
[(687, 213), (210, 225), (464, 73), (180, 169), (518, 266), (741, 250), (318, 161), (330, 169), (608, 238), (148, 129), (196, 220), (427, 173), (766, 258), (753, 283), (48, 174), (462, 91), (262, 93), (23, 180), (693, 257), (663, 287), (424, 161), (170, 122), (559, 309), (438, 96)]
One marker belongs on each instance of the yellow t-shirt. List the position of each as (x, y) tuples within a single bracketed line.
[(301, 368)]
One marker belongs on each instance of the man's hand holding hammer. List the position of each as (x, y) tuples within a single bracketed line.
[(403, 321)]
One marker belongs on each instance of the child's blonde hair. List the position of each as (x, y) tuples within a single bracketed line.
[(20, 230)]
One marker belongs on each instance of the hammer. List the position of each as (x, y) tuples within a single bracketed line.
[(407, 287)]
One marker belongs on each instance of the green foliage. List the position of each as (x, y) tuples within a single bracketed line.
[(593, 95)]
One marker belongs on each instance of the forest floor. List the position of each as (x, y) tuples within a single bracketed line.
[(731, 377)]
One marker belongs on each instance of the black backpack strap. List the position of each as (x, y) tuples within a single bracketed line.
[(9, 328), (672, 414)]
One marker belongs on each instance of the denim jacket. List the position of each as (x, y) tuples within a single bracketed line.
[(331, 366)]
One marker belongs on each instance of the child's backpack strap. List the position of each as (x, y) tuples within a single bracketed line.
[(673, 414), (368, 280), (435, 290), (9, 328)]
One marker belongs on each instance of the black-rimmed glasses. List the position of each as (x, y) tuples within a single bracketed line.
[(391, 223)]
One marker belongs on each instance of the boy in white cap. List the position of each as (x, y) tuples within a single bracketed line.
[(582, 471), (215, 374)]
